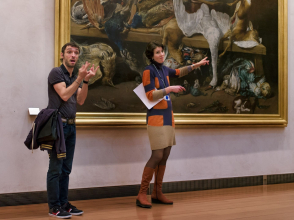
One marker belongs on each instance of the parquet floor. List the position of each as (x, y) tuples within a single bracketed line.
[(272, 202)]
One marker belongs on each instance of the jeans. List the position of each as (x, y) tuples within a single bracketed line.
[(59, 170)]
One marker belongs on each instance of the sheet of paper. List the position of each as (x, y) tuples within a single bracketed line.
[(140, 92)]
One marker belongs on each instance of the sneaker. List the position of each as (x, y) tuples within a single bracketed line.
[(58, 212), (71, 209)]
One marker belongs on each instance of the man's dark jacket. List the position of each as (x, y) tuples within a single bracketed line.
[(32, 139)]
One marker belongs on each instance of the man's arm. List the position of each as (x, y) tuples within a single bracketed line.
[(83, 92), (66, 93)]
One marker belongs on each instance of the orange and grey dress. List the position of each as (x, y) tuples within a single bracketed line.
[(160, 118)]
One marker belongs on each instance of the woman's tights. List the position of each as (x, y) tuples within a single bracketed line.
[(158, 157)]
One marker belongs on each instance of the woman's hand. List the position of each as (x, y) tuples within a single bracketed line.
[(204, 62), (200, 63), (175, 89)]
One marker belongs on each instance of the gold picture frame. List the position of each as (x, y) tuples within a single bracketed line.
[(62, 35)]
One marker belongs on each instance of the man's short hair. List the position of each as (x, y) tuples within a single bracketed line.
[(72, 44)]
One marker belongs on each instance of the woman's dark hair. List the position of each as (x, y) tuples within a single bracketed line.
[(149, 52)]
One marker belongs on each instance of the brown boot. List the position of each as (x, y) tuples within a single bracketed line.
[(142, 200), (157, 195)]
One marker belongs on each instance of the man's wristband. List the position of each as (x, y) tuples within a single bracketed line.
[(77, 82), (86, 82)]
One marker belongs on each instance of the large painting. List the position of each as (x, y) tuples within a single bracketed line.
[(245, 41)]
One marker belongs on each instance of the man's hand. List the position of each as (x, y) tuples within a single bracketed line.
[(83, 70), (88, 74), (91, 73)]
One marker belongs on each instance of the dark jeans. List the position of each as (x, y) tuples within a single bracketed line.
[(59, 170)]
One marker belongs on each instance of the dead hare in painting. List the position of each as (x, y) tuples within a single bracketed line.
[(242, 28)]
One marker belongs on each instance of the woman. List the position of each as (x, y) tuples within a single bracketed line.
[(160, 120)]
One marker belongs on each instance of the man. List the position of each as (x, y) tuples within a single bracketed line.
[(65, 91)]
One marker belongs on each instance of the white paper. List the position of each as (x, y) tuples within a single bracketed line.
[(34, 111), (140, 92)]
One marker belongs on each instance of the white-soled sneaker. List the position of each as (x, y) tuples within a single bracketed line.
[(58, 212), (71, 209)]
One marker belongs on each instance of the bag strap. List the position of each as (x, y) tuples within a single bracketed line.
[(33, 134)]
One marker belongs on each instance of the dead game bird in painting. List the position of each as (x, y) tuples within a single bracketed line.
[(113, 24), (187, 86), (102, 55), (191, 105), (78, 14), (241, 105), (105, 104), (95, 12), (158, 13), (195, 90), (241, 31)]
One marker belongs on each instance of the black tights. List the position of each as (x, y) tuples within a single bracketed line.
[(158, 157)]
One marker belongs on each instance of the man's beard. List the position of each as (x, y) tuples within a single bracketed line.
[(68, 64)]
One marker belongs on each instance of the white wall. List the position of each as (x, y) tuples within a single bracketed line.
[(27, 44)]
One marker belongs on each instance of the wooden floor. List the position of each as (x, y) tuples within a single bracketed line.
[(272, 202)]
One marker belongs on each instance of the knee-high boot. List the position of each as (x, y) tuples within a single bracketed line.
[(157, 195), (142, 200)]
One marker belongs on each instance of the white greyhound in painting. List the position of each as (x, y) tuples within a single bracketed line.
[(216, 26)]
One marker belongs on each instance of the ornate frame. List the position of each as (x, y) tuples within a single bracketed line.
[(62, 35)]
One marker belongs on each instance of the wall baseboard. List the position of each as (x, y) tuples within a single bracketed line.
[(26, 198)]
